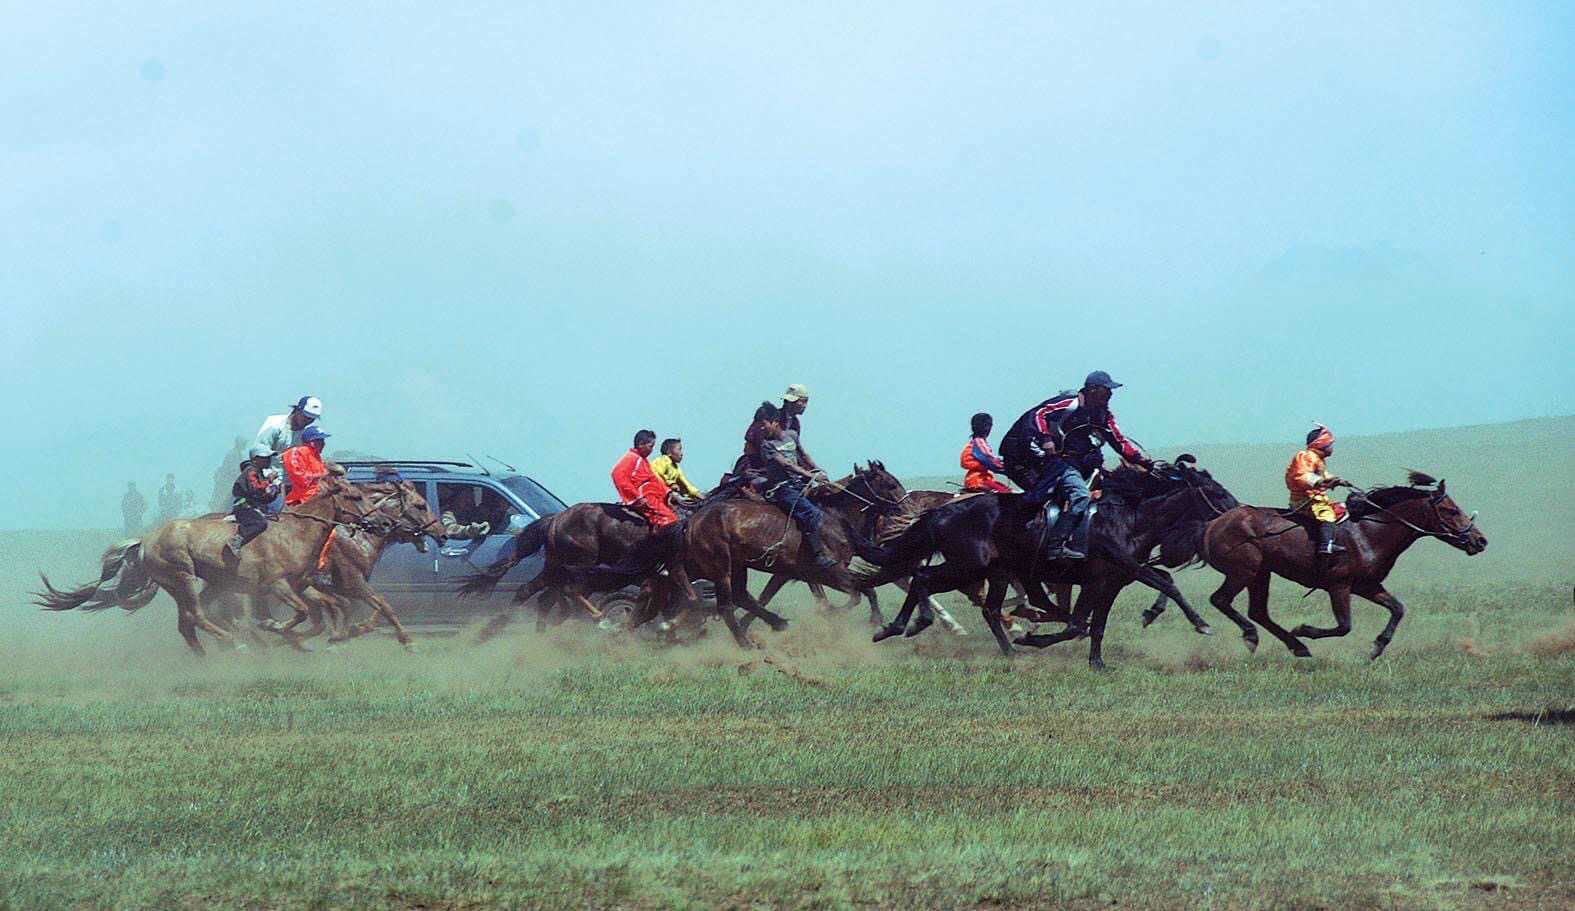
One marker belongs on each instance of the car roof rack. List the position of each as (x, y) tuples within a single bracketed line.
[(420, 464)]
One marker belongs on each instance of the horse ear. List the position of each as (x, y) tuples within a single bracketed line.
[(878, 464), (1440, 485), (857, 470)]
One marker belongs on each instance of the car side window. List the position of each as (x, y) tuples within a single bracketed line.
[(471, 503)]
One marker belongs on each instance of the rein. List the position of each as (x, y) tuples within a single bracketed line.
[(1448, 537)]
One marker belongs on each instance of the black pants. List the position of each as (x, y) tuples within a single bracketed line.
[(249, 523)]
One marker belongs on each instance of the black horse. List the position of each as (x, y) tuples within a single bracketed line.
[(988, 538)]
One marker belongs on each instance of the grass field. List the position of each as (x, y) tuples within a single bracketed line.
[(581, 770)]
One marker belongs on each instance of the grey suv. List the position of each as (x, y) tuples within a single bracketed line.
[(423, 587)]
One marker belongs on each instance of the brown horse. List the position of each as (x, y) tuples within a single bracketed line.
[(585, 533), (1251, 544), (724, 539), (188, 559)]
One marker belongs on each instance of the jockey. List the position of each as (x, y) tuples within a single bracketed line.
[(794, 401), (252, 492), (283, 431), (978, 460), (1054, 448), (789, 472), (1309, 481), (665, 466), (638, 487), (303, 466)]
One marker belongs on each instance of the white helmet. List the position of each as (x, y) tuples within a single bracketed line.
[(311, 406), (260, 451)]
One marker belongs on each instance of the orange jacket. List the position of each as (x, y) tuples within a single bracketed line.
[(978, 476), (303, 468), (1304, 473)]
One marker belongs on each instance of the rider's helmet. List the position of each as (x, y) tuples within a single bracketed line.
[(311, 406), (260, 451), (313, 434)]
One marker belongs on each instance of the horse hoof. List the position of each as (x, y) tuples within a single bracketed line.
[(957, 629), (777, 625), (1204, 630), (1149, 618), (919, 626), (886, 632), (1301, 652), (1251, 643), (1301, 631), (1096, 664)]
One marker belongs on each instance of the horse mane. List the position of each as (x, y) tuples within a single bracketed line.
[(1383, 498)]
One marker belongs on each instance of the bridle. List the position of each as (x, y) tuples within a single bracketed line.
[(377, 521), (1455, 537)]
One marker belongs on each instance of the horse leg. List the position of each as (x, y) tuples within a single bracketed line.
[(947, 577), (740, 585), (917, 591), (1258, 610), (876, 620), (183, 616), (1222, 598), (1160, 581), (361, 591), (1381, 596), (774, 585), (822, 603), (1098, 613), (1155, 609), (1340, 602), (995, 594), (287, 593), (1076, 623)]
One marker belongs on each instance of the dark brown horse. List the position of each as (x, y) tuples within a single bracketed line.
[(585, 533), (885, 527), (188, 559), (726, 538), (1251, 544)]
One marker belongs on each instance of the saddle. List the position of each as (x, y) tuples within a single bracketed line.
[(1303, 516)]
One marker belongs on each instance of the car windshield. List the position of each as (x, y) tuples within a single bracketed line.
[(540, 501)]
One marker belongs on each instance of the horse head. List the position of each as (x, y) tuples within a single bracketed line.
[(879, 486), (1451, 524)]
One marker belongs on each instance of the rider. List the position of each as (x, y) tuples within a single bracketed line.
[(978, 460), (303, 466), (251, 493), (283, 431), (1309, 482), (794, 402), (789, 474), (665, 466), (1054, 448), (638, 487)]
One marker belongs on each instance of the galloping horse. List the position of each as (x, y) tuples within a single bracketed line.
[(726, 538), (1251, 544), (987, 538), (188, 559)]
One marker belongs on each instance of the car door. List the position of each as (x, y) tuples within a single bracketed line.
[(471, 501), (406, 576)]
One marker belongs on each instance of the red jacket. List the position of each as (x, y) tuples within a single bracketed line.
[(303, 468), (639, 487)]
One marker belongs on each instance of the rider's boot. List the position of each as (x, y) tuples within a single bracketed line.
[(1065, 525), (1327, 550), (823, 559)]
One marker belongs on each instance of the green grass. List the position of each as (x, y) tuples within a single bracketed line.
[(579, 770)]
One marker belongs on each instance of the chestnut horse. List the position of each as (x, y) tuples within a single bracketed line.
[(1252, 544)]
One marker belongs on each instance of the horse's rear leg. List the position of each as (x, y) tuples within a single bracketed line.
[(1099, 612), (774, 585), (1160, 581), (917, 592), (1258, 610), (1222, 598), (944, 616)]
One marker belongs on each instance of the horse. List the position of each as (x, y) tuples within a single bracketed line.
[(725, 538), (989, 538), (181, 555), (887, 526), (585, 533), (1251, 544)]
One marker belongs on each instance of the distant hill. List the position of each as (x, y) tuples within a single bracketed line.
[(1520, 476)]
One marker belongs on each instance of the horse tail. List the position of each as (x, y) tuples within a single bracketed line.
[(123, 582), (526, 543), (642, 560)]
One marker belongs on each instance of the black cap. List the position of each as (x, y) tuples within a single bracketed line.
[(1100, 378)]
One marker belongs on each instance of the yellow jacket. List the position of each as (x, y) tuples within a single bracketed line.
[(673, 477)]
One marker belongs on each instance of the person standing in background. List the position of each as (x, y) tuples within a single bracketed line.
[(132, 507), (169, 500)]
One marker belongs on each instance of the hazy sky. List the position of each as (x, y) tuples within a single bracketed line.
[(529, 230)]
